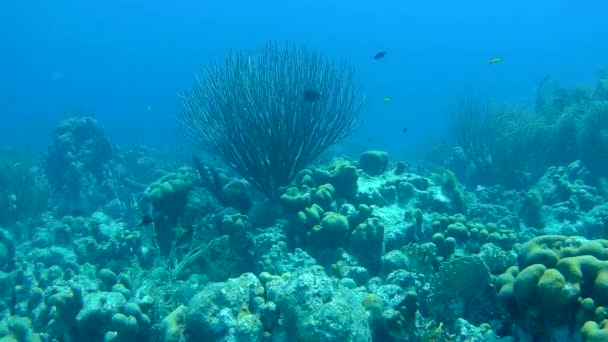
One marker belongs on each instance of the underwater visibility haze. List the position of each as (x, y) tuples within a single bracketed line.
[(303, 171)]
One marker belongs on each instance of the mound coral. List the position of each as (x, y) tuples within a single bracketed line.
[(561, 282), (373, 162)]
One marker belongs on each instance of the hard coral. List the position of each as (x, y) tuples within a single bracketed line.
[(77, 164), (342, 175), (560, 282), (373, 162)]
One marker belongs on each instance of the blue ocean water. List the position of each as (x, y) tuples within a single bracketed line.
[(117, 59), (141, 200)]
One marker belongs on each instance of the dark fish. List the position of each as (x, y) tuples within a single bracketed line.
[(311, 95), (145, 221), (380, 55), (404, 130)]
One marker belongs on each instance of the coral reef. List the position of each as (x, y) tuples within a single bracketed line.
[(566, 125), (133, 245), (560, 283), (77, 164), (24, 189)]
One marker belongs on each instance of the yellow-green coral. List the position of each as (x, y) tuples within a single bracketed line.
[(594, 332), (548, 249), (294, 199), (239, 229), (310, 216), (342, 175), (324, 196), (19, 329), (558, 278), (367, 243), (174, 325), (373, 162), (330, 233), (235, 223), (170, 193)]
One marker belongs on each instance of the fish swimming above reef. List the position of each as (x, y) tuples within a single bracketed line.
[(311, 95), (145, 221), (380, 55)]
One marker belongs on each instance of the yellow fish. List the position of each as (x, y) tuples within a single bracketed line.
[(495, 60), (388, 99)]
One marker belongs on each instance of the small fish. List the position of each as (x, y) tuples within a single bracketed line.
[(404, 130), (145, 221), (380, 55), (388, 99), (149, 108), (311, 95), (495, 60)]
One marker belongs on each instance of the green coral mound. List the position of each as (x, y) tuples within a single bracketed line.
[(330, 233), (560, 281), (342, 175), (549, 249), (294, 199), (18, 329), (367, 243), (374, 162), (169, 194), (320, 186), (594, 332)]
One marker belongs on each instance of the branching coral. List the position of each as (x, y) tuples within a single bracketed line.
[(24, 192), (185, 252), (567, 125), (592, 138), (474, 126), (253, 113)]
